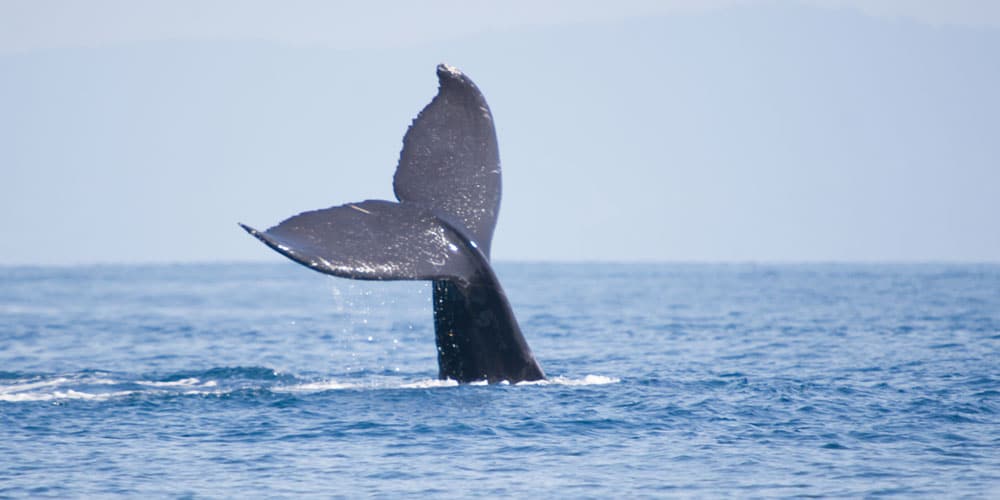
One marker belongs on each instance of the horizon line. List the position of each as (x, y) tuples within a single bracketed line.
[(637, 262)]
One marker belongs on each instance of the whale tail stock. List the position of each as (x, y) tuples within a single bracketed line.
[(448, 187)]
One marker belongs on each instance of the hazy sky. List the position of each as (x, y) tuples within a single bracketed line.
[(720, 130)]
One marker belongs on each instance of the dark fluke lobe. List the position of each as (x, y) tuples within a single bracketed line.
[(448, 186)]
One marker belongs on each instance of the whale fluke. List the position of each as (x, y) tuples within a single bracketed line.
[(372, 240), (450, 162), (448, 186)]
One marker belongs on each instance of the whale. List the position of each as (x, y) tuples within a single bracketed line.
[(440, 228)]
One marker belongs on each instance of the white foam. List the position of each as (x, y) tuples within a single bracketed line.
[(184, 382), (58, 395), (7, 389), (99, 381), (51, 390), (323, 385), (24, 385), (206, 393), (327, 385), (429, 384), (587, 380)]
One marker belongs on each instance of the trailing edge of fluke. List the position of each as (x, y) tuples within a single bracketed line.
[(447, 185)]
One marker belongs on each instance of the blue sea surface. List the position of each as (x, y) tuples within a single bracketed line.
[(704, 380)]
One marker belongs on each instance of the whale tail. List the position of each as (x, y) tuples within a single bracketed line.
[(448, 187)]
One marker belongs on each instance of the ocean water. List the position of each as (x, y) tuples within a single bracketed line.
[(268, 380)]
